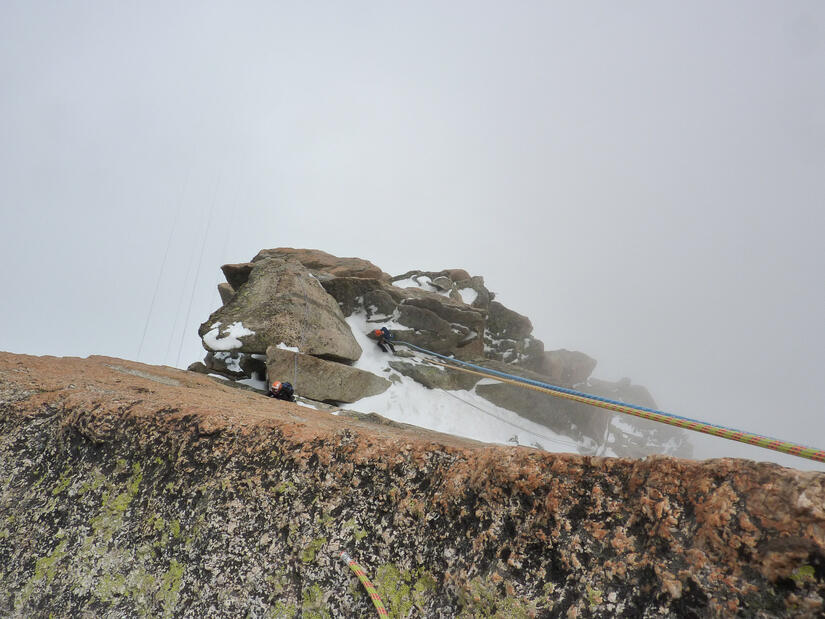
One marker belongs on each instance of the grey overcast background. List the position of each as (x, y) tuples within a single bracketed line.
[(645, 180)]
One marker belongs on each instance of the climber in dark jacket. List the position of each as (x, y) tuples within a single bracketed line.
[(384, 339), (281, 391)]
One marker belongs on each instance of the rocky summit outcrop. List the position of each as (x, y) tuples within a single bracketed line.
[(308, 300), (281, 303), (135, 491)]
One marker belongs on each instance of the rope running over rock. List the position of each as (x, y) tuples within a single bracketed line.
[(376, 599), (811, 453)]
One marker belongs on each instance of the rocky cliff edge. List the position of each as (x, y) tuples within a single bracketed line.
[(131, 490)]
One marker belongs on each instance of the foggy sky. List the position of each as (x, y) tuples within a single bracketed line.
[(644, 180)]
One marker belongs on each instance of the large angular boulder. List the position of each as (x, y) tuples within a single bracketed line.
[(566, 367), (457, 275), (322, 380), (428, 330), (508, 337), (237, 274), (351, 293), (320, 261), (281, 302), (450, 327), (504, 323)]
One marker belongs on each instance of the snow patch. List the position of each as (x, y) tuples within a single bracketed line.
[(231, 361), (283, 346), (461, 413), (254, 382), (468, 295), (406, 283), (229, 340), (423, 282)]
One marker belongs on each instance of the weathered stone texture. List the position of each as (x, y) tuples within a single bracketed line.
[(323, 263), (129, 490), (282, 303), (226, 292)]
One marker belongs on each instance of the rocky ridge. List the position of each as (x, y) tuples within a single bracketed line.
[(129, 490), (291, 306)]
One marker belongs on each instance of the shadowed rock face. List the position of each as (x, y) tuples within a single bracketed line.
[(237, 274), (282, 303), (132, 490)]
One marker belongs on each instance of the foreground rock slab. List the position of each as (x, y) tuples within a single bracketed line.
[(132, 490)]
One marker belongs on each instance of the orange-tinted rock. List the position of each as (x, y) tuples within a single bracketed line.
[(317, 260), (136, 490)]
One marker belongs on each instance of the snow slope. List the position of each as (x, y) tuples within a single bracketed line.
[(462, 413)]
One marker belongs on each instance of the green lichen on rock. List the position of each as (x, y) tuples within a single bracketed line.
[(481, 598), (594, 596), (62, 484), (803, 574), (314, 601), (307, 554), (357, 532), (283, 610), (111, 586), (110, 517), (45, 569), (403, 590), (169, 587)]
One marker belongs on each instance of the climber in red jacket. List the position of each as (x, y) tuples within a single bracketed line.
[(281, 391), (384, 337)]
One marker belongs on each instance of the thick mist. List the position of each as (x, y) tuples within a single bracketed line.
[(645, 180)]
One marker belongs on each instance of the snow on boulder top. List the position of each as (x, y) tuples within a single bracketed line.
[(423, 282), (468, 295), (229, 339)]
